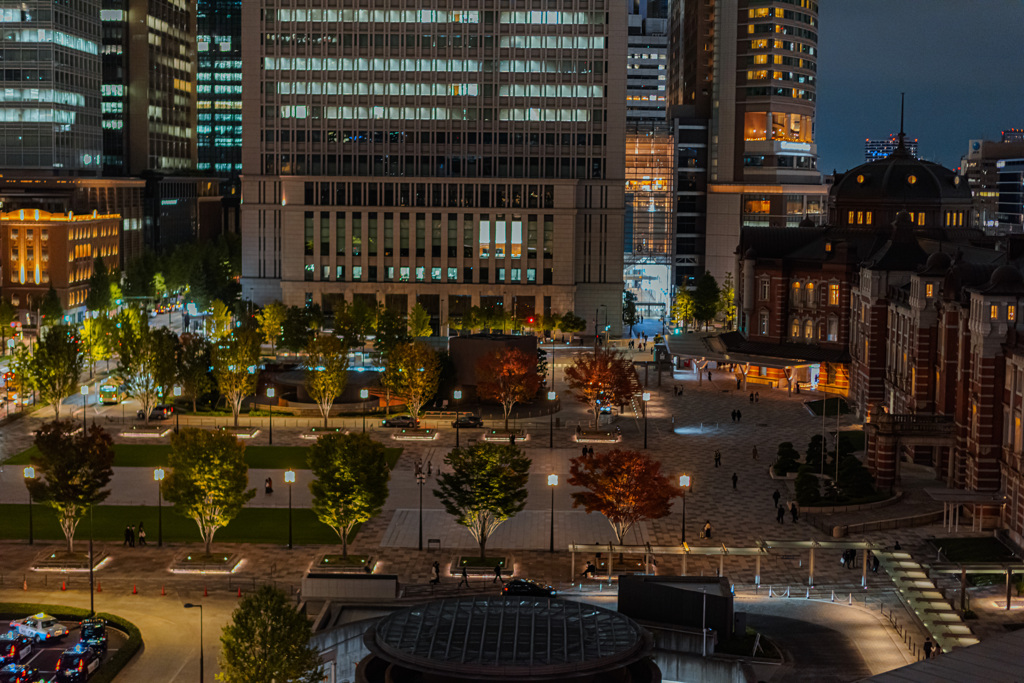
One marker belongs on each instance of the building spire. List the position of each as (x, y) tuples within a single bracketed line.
[(903, 135)]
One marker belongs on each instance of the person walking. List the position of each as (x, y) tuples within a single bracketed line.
[(755, 452), (464, 578), (430, 467), (142, 535), (739, 383), (707, 530), (584, 451), (497, 574), (127, 534), (718, 458), (735, 478), (435, 573), (780, 515), (733, 415), (590, 451), (268, 486), (928, 647), (793, 511), (874, 563), (757, 397), (751, 396), (776, 496), (131, 536), (739, 416)]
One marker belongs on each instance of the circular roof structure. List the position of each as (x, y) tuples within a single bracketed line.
[(901, 178), (505, 638)]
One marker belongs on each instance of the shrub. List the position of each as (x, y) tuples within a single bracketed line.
[(787, 459), (806, 485)]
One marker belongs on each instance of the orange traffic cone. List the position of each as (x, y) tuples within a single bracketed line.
[(162, 591), (24, 585), (135, 589), (99, 587), (63, 585), (239, 591), (205, 594)]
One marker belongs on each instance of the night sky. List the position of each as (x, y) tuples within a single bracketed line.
[(960, 62)]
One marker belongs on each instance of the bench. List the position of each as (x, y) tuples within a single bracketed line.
[(764, 381), (433, 543)]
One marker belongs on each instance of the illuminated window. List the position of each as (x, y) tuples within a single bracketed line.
[(833, 295), (794, 328), (808, 329), (849, 218), (833, 331), (860, 218), (810, 293), (867, 217), (796, 294), (765, 289), (920, 218), (994, 312), (1011, 312), (929, 290), (763, 323)]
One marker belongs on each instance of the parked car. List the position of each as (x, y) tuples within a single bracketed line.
[(468, 421), (15, 646), (18, 673), (76, 664), (94, 634), (161, 412), (407, 421), (527, 587), (40, 627)]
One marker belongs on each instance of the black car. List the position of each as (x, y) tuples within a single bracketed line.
[(94, 634), (161, 412), (15, 646), (16, 673), (527, 587), (407, 421), (77, 664), (467, 421)]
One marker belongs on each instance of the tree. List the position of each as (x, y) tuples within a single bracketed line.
[(508, 376), (572, 323), (98, 298), (72, 472), (727, 301), (267, 641), (218, 324), (194, 363), (350, 481), (705, 298), (483, 486), (50, 308), (116, 295), (165, 353), (234, 366), (270, 319), (625, 486), (57, 366), (806, 486), (415, 376), (207, 479), (786, 459), (21, 365), (600, 379), (139, 367), (629, 314), (683, 307), (298, 328), (326, 371), (419, 322), (389, 331), (96, 340), (8, 314)]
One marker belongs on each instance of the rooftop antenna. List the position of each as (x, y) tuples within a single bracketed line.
[(903, 135)]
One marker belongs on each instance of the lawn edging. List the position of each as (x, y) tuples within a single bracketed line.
[(110, 668)]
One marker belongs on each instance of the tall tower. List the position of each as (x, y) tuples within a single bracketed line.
[(750, 68), (647, 63), (50, 87), (446, 157), (219, 23)]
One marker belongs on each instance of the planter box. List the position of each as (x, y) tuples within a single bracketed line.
[(789, 476), (316, 432), (151, 432), (61, 561), (415, 435), (242, 432), (333, 563), (500, 435), (198, 563), (598, 437), (477, 567)]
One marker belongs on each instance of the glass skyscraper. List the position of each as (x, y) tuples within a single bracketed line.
[(219, 88)]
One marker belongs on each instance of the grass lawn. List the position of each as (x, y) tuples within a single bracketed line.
[(829, 405), (253, 525), (983, 549), (145, 455)]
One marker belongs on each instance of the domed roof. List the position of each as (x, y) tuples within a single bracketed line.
[(1005, 276), (900, 178), (938, 263)]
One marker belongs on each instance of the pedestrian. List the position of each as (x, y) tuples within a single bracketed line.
[(584, 451), (497, 574), (776, 496), (755, 452), (793, 512), (511, 442), (268, 486), (142, 535), (757, 397), (739, 384), (709, 375), (897, 546), (464, 579), (127, 534), (874, 563), (780, 516), (131, 536), (733, 415), (735, 478), (718, 458), (706, 533), (430, 467), (739, 416), (751, 396), (590, 451), (928, 647), (435, 573)]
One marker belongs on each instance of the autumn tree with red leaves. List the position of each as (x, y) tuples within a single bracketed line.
[(508, 376), (600, 379), (625, 486)]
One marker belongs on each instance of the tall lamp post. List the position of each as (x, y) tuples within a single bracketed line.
[(158, 477), (289, 478), (177, 395), (85, 401), (552, 483), (189, 605), (421, 480), (646, 397), (457, 395), (92, 602), (684, 484), (551, 420), (363, 395), (270, 406), (30, 473)]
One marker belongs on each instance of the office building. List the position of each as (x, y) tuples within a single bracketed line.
[(219, 87), (1013, 135), (50, 87), (647, 63), (649, 222), (750, 69), (447, 157), (990, 169), (880, 149)]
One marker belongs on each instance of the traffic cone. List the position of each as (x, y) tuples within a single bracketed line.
[(135, 589), (63, 585), (239, 591), (99, 587), (162, 591), (24, 585), (205, 594)]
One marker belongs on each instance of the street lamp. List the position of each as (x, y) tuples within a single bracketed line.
[(85, 398), (189, 605), (646, 397), (457, 395), (552, 483), (289, 478), (684, 484), (363, 395), (30, 473), (551, 420), (421, 480), (270, 406), (177, 394), (158, 477)]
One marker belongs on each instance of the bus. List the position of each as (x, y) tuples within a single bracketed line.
[(111, 392)]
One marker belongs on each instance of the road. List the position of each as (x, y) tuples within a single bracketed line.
[(44, 656)]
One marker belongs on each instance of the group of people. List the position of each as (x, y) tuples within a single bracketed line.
[(755, 397), (780, 510), (130, 536), (736, 416)]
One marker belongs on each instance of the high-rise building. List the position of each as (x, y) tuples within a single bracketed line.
[(447, 157), (880, 149), (750, 68), (1013, 135), (149, 94), (647, 63), (219, 87), (650, 225), (50, 87)]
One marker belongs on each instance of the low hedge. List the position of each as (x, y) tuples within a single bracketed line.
[(112, 667)]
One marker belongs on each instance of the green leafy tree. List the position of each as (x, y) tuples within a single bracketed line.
[(551, 323), (705, 299), (208, 479), (21, 364), (625, 486), (267, 641), (300, 324), (138, 276), (116, 295), (483, 486), (326, 371), (139, 367), (683, 307), (72, 472), (572, 323), (353, 322), (194, 362), (600, 379), (508, 376), (8, 315), (727, 301), (630, 316), (234, 366), (50, 308), (97, 340), (389, 331), (98, 298), (419, 322), (786, 459), (855, 480), (416, 374), (218, 323), (806, 486), (57, 366), (350, 481), (270, 319), (165, 353)]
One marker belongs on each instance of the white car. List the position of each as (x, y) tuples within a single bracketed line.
[(40, 627)]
